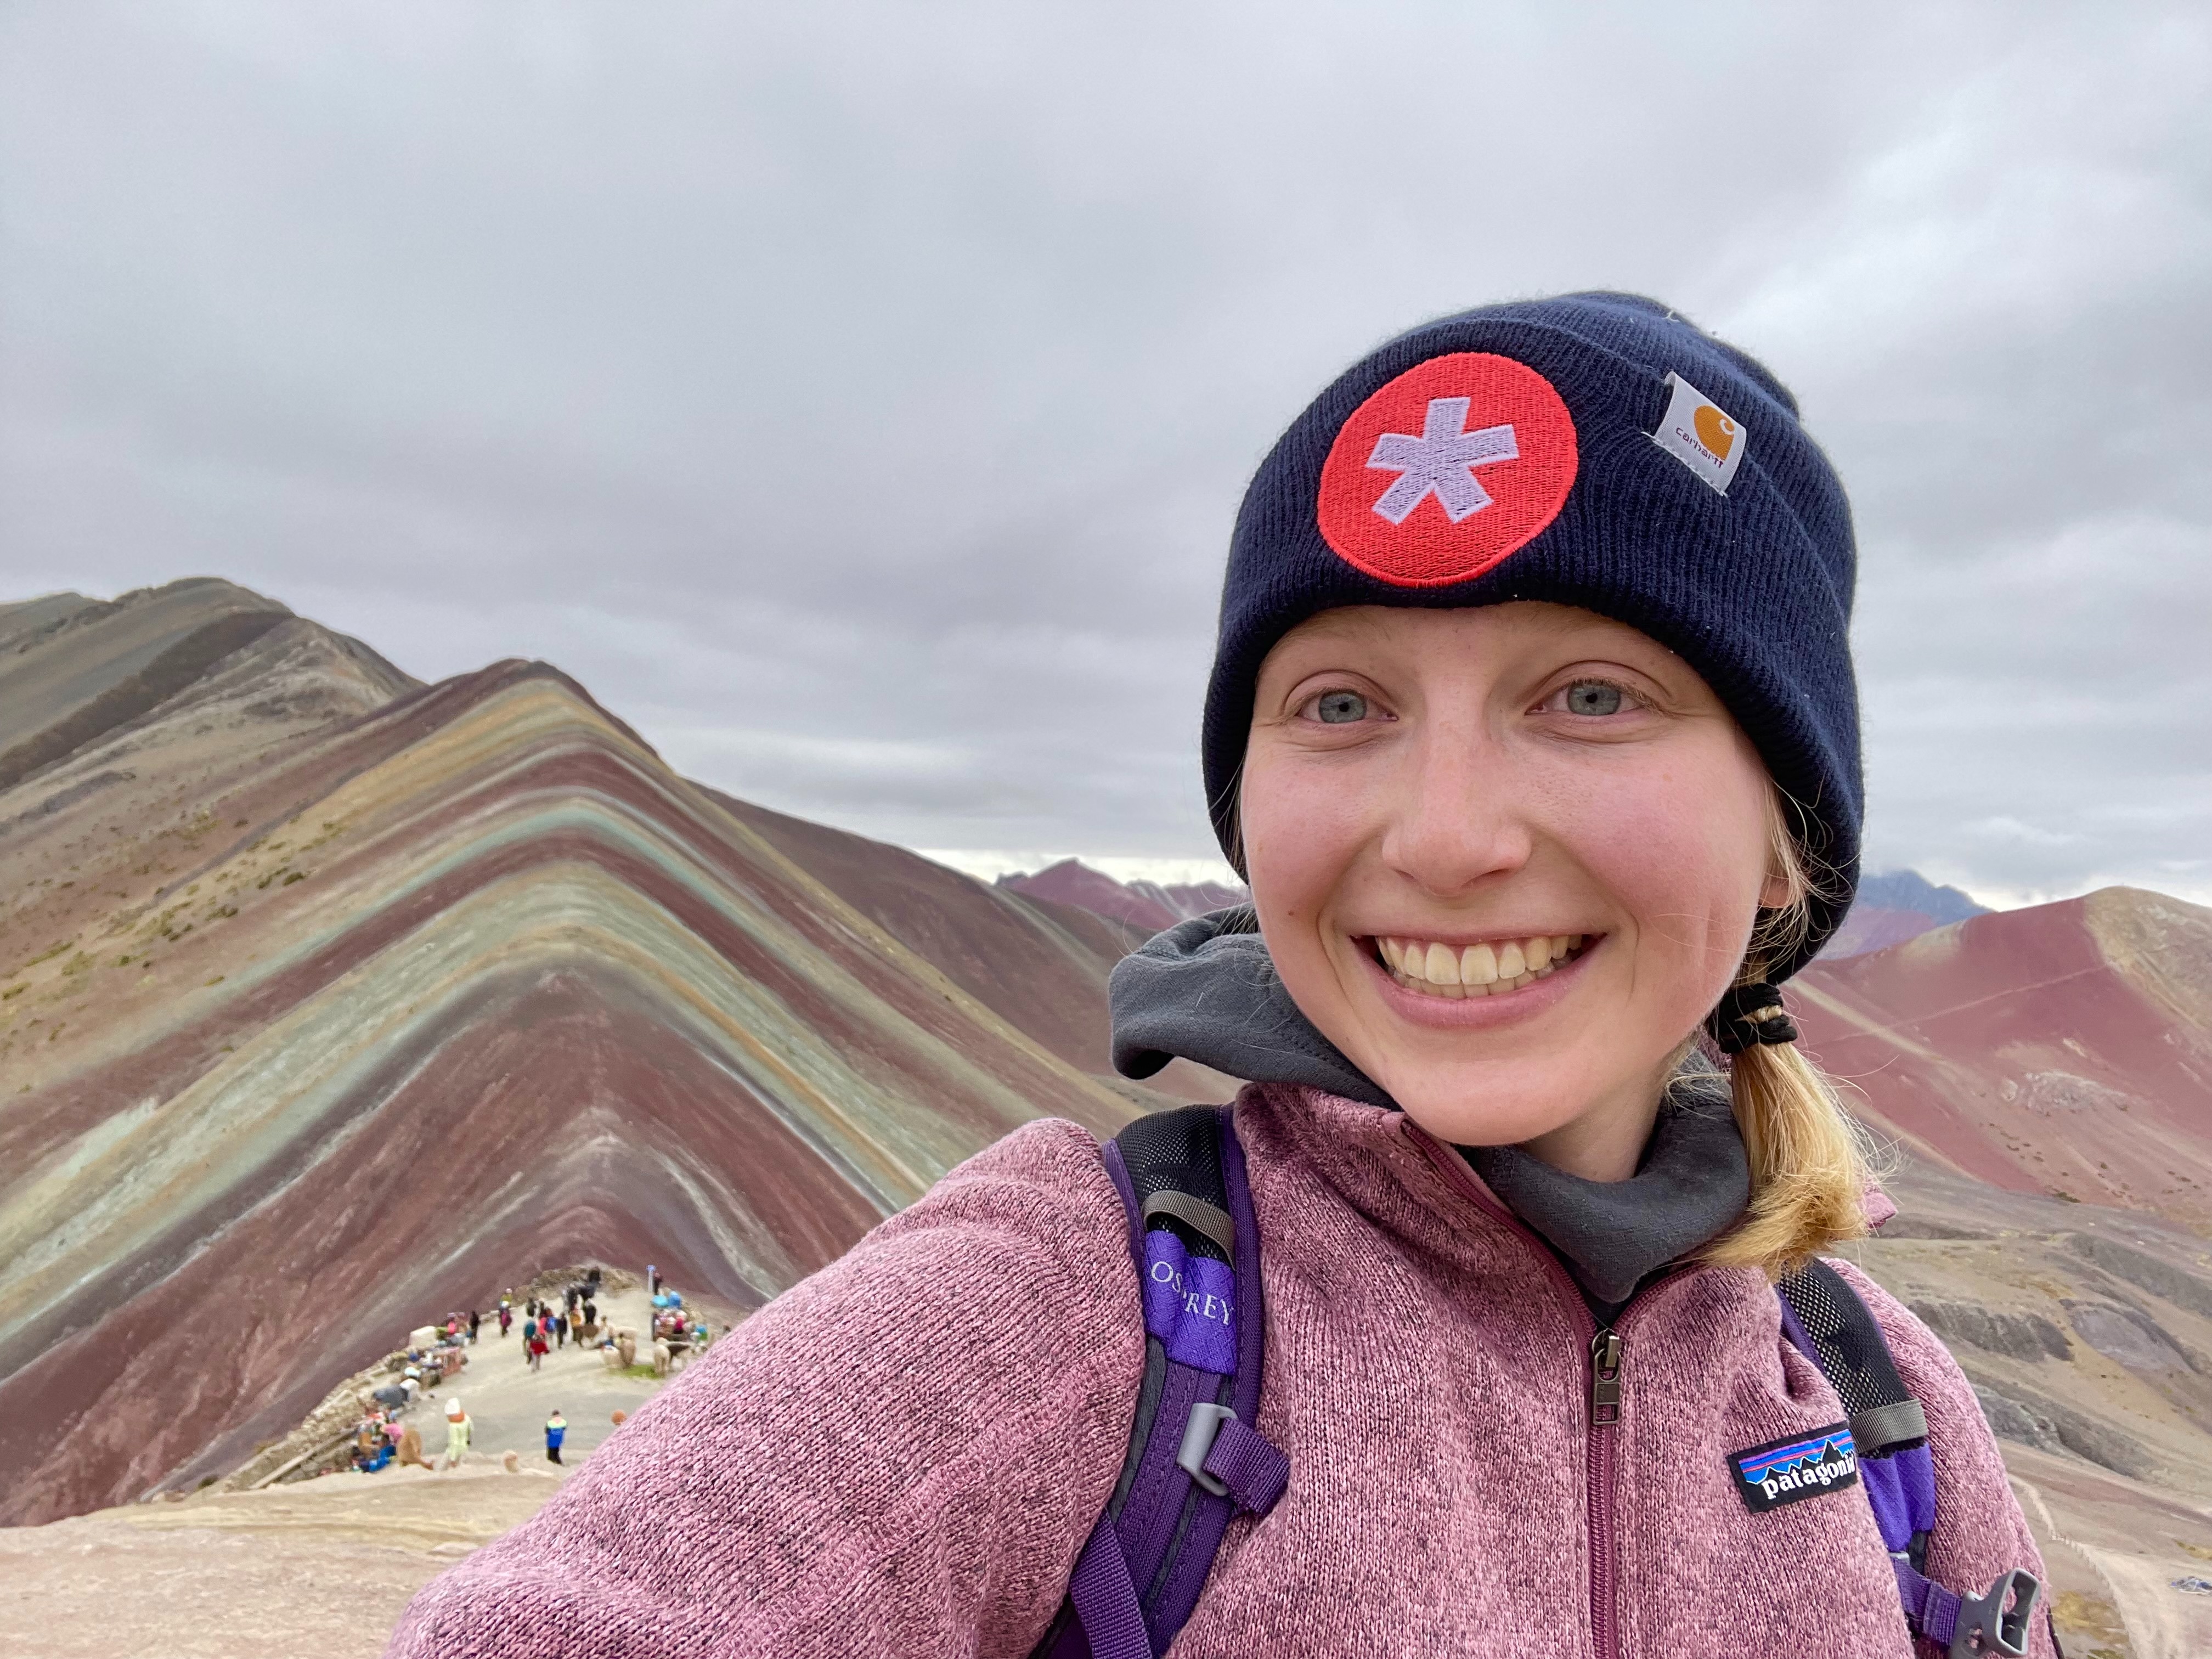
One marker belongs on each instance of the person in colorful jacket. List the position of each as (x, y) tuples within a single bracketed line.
[(1532, 726)]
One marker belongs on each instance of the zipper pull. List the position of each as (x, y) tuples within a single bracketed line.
[(1605, 1379)]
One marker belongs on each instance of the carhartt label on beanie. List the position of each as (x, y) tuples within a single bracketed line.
[(1701, 435), (1446, 471)]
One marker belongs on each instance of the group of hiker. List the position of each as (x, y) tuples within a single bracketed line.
[(573, 1318), (462, 1327), (382, 1437), (675, 1331), (548, 1324)]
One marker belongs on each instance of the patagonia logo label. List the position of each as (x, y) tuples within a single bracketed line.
[(1189, 1304), (1804, 1466), (1702, 435)]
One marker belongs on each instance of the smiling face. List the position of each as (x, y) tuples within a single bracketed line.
[(1505, 858)]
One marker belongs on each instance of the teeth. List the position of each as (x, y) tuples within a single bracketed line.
[(1485, 969)]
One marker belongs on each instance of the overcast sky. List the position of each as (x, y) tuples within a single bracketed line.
[(856, 398)]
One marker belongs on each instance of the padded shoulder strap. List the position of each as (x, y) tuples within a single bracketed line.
[(1173, 1164), (1195, 1461), (1847, 1344), (1828, 1322)]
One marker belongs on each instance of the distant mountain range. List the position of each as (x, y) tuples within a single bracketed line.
[(1908, 889), (329, 1000), (1148, 905), (1894, 908)]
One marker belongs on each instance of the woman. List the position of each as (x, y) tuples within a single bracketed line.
[(1532, 726), (457, 1434)]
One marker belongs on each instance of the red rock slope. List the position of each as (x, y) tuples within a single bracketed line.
[(321, 1006), (2064, 1049)]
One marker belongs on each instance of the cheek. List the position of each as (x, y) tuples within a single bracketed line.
[(1301, 832), (1683, 850)]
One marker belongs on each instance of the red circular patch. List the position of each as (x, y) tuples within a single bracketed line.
[(1448, 469)]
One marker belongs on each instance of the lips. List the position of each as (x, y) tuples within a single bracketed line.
[(1488, 967)]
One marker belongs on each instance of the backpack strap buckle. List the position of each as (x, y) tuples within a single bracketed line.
[(1202, 1429), (1986, 1624), (1964, 1627), (1230, 1461)]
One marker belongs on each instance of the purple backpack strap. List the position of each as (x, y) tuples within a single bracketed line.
[(1827, 1323), (1195, 1459)]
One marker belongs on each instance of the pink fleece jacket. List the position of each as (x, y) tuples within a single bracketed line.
[(904, 1454)]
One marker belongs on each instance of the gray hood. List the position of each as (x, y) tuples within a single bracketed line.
[(1206, 990)]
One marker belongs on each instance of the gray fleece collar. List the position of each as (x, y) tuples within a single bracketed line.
[(1206, 990), (1692, 1185)]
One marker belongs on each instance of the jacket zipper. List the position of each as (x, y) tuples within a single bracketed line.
[(1606, 1356), (1605, 1360)]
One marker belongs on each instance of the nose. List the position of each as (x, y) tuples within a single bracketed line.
[(1456, 819)]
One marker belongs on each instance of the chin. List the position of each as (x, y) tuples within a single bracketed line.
[(1458, 1114)]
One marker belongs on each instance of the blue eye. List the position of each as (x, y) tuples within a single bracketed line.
[(1340, 707), (1593, 697)]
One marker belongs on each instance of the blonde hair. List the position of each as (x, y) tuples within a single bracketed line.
[(1809, 1162)]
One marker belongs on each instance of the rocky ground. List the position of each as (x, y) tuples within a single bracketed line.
[(316, 1571), (2113, 1549), (320, 1568), (2088, 1332)]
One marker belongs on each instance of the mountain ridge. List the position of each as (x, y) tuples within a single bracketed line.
[(365, 1002), (1974, 1041), (1149, 905)]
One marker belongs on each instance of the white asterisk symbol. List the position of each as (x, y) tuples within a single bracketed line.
[(1442, 458)]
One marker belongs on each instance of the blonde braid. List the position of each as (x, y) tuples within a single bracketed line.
[(1810, 1163)]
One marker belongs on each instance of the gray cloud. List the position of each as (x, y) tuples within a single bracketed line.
[(857, 397)]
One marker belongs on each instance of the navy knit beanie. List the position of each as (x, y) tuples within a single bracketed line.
[(1594, 450)]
